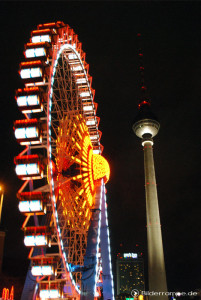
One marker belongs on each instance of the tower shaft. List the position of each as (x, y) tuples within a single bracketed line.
[(156, 263)]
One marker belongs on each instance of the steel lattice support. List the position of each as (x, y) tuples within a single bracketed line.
[(89, 272), (98, 232), (107, 275)]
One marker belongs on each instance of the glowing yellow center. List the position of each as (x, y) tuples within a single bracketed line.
[(101, 168), (77, 168)]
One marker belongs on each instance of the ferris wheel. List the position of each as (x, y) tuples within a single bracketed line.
[(63, 193)]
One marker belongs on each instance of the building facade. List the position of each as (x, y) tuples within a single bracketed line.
[(130, 273)]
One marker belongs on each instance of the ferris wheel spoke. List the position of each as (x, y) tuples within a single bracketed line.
[(63, 85), (58, 110), (71, 90)]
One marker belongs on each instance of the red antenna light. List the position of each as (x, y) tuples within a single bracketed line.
[(143, 97)]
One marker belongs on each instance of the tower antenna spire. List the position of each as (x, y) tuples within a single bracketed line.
[(143, 99)]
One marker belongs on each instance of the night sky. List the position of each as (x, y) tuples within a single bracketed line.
[(171, 34)]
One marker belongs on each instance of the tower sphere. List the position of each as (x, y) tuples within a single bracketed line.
[(145, 122), (146, 126)]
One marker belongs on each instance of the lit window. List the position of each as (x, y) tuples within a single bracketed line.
[(36, 270), (77, 68), (72, 56), (27, 169), (41, 240), (49, 294), (90, 122), (25, 73), (38, 240), (95, 151), (81, 80), (47, 270), (30, 206), (42, 270), (37, 52), (31, 132), (35, 205), (31, 73), (20, 133), (32, 169), (36, 72), (24, 206), (30, 100), (41, 38), (29, 240), (20, 169), (87, 107), (94, 137), (23, 133), (21, 101), (85, 94)]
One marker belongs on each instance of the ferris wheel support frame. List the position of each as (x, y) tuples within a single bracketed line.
[(107, 275), (89, 272), (99, 231)]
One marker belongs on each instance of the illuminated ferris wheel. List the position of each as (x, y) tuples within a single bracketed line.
[(63, 171)]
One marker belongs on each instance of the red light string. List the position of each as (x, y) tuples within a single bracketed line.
[(143, 90)]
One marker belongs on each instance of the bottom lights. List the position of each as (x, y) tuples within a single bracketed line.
[(27, 169), (42, 270), (50, 294), (31, 206), (38, 240)]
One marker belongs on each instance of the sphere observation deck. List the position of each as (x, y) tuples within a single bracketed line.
[(145, 122)]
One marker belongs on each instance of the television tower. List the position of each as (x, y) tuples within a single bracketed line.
[(146, 126)]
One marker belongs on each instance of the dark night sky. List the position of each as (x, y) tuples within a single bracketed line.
[(172, 57)]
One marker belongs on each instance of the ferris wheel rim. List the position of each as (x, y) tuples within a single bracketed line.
[(49, 154)]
